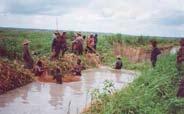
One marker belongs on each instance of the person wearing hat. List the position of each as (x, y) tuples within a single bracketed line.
[(180, 57), (56, 46), (154, 53), (118, 64), (79, 34), (28, 61)]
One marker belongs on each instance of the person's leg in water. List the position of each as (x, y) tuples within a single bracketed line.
[(59, 80)]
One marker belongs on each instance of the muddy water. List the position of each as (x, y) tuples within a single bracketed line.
[(174, 50), (44, 98)]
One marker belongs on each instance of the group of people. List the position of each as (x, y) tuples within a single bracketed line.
[(59, 45), (79, 44)]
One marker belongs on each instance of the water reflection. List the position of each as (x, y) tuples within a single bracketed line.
[(56, 96), (44, 98)]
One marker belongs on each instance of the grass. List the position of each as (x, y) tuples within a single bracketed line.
[(154, 92)]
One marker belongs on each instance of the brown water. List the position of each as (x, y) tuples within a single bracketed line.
[(44, 98)]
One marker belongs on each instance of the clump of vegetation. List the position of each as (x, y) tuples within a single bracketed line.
[(12, 75), (153, 92)]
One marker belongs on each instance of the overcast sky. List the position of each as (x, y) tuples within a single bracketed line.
[(136, 17)]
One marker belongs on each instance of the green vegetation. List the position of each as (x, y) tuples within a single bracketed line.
[(151, 93), (11, 42), (154, 92)]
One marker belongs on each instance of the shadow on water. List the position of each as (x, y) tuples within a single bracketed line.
[(47, 98)]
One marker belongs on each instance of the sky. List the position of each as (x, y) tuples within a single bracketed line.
[(134, 17)]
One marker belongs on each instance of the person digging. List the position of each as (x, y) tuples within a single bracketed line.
[(39, 69), (78, 68)]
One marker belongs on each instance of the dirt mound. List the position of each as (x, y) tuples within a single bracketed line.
[(66, 64), (12, 76), (92, 60)]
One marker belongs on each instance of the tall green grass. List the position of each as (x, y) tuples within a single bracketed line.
[(153, 92), (11, 42)]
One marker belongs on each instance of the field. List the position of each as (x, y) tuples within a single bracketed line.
[(154, 92), (11, 42)]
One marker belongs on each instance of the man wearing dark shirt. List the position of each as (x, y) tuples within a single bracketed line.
[(154, 53)]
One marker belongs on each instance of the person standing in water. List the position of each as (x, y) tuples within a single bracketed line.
[(28, 61), (118, 64), (58, 76), (154, 53), (39, 69), (78, 68)]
